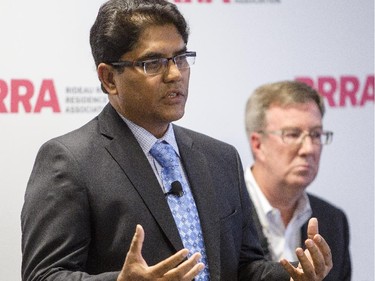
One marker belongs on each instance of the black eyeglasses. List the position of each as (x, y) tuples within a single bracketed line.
[(156, 66), (297, 136)]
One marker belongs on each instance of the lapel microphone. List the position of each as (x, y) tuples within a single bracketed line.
[(176, 189)]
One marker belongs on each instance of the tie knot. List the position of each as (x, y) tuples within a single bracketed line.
[(164, 153)]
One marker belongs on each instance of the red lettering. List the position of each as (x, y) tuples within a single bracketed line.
[(368, 91), (349, 89), (3, 94), (47, 97), (306, 80), (21, 93), (327, 87), (349, 86)]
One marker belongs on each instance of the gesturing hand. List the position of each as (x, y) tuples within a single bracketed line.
[(316, 261), (135, 267)]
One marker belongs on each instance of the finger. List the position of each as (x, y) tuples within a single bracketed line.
[(312, 228), (325, 250), (317, 257), (170, 263), (293, 272), (307, 266), (188, 269), (192, 273)]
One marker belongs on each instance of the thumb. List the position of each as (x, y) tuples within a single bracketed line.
[(134, 256), (135, 250), (137, 242)]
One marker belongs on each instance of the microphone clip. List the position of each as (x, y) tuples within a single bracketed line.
[(176, 189)]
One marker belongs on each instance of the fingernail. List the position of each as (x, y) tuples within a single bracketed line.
[(309, 243), (299, 252)]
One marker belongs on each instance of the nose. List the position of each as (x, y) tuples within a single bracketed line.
[(307, 145), (172, 72)]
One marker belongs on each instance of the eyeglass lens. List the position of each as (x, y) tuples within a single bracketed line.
[(156, 66), (296, 136)]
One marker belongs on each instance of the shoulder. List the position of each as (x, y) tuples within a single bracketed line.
[(104, 126), (333, 224), (75, 141), (200, 139), (214, 150), (323, 209)]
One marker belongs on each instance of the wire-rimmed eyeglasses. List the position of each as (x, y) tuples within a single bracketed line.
[(156, 66), (297, 136)]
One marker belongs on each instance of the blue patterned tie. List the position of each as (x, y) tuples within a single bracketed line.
[(183, 208)]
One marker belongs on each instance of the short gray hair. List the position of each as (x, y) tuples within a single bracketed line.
[(282, 93)]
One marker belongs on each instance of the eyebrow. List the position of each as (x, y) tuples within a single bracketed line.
[(156, 55), (297, 128)]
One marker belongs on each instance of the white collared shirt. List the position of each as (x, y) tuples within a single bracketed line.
[(282, 240)]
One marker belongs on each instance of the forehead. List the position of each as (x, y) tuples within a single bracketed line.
[(163, 40), (296, 115)]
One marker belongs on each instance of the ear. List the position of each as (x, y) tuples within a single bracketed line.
[(106, 77), (255, 140)]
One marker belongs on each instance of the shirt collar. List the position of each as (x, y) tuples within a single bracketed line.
[(146, 140), (261, 204), (265, 209)]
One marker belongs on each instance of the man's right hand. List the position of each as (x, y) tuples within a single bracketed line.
[(135, 267)]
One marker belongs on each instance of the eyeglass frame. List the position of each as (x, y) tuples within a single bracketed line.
[(302, 135), (163, 62)]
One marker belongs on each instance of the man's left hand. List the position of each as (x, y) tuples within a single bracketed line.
[(315, 262)]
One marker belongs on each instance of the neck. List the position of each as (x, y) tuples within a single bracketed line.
[(280, 196), (156, 129)]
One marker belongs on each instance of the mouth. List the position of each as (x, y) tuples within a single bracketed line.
[(304, 169), (303, 166), (173, 95)]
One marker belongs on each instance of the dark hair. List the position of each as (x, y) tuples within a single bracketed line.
[(119, 24)]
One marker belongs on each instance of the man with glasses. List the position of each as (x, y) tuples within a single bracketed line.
[(286, 137), (130, 196)]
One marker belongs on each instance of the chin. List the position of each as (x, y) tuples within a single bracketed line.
[(302, 181), (306, 182), (176, 116)]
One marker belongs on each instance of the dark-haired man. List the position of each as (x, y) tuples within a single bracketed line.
[(92, 188)]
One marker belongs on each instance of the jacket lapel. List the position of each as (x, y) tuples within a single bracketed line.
[(262, 238), (201, 184), (126, 151)]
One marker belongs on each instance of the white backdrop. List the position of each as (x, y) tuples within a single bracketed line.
[(48, 86)]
